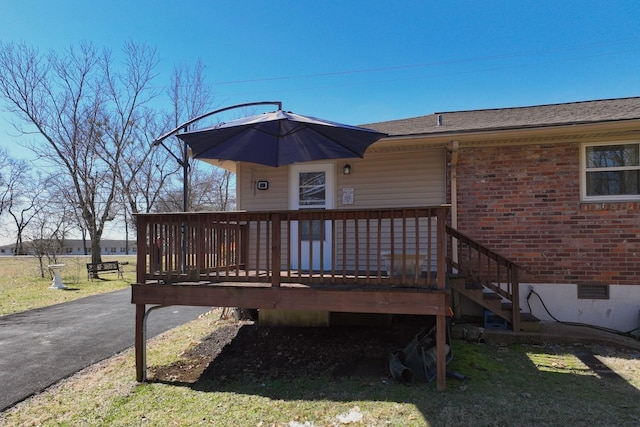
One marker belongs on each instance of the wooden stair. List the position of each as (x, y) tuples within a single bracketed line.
[(489, 299)]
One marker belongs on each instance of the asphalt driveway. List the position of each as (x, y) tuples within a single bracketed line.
[(40, 347)]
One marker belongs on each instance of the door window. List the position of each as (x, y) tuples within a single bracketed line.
[(312, 190)]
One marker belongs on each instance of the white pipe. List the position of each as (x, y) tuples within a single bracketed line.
[(454, 195)]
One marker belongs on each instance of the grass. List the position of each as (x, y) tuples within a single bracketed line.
[(23, 289), (507, 385), (516, 385)]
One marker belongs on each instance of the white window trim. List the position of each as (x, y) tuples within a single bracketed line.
[(583, 175)]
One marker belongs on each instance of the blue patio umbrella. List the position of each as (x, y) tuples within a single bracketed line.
[(279, 138)]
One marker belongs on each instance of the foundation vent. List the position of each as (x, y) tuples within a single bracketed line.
[(593, 291)]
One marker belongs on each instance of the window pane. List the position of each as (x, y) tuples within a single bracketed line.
[(312, 189), (317, 230), (609, 156), (613, 183)]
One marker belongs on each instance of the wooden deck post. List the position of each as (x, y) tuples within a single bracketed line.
[(141, 248), (141, 343), (441, 320), (515, 300), (441, 352), (275, 250), (441, 248)]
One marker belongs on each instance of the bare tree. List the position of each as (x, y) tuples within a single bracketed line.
[(66, 200), (209, 190), (226, 197), (47, 233), (152, 172), (190, 97), (27, 198), (142, 178), (89, 114), (208, 187), (7, 184), (7, 179)]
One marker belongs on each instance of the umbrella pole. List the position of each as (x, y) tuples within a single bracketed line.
[(185, 162), (185, 200)]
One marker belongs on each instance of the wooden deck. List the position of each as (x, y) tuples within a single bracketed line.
[(349, 299), (246, 259)]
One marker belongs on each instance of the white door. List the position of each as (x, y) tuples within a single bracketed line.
[(311, 186)]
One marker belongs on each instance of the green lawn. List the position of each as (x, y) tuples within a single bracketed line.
[(23, 289), (507, 385), (516, 385)]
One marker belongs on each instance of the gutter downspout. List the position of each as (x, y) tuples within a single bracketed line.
[(454, 196)]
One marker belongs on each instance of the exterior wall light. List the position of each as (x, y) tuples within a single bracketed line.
[(346, 169)]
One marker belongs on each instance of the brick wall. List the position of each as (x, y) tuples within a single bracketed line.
[(524, 203)]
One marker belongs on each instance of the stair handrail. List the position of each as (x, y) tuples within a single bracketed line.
[(512, 270), (481, 248)]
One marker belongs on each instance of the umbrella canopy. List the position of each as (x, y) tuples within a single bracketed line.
[(279, 138)]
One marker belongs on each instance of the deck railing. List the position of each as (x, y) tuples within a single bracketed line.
[(399, 246), (479, 264)]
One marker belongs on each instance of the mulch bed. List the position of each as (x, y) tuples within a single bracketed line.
[(245, 350)]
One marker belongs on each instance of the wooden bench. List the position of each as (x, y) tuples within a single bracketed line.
[(103, 267)]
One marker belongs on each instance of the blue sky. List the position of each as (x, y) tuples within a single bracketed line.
[(358, 62), (364, 61)]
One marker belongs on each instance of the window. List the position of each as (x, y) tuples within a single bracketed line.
[(312, 190), (311, 187), (312, 230), (611, 171)]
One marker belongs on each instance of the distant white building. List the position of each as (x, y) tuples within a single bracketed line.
[(76, 247)]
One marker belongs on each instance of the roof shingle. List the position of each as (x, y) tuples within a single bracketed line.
[(513, 118)]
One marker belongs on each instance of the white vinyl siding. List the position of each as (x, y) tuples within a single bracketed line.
[(403, 242), (401, 179), (276, 197), (395, 180), (380, 180)]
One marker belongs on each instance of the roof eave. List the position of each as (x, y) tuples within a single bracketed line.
[(552, 128)]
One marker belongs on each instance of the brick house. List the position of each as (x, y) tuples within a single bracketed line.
[(554, 188), (546, 197)]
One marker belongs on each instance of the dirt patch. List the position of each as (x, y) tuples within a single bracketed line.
[(247, 350)]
